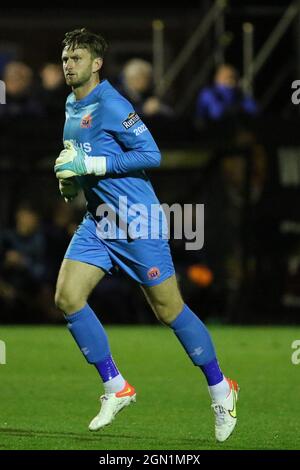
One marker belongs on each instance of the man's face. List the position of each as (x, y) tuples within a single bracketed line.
[(27, 221), (77, 66), (226, 76), (140, 82)]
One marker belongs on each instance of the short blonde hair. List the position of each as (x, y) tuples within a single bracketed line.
[(136, 66)]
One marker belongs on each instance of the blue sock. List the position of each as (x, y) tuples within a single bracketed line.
[(107, 369), (196, 340), (92, 340), (212, 372)]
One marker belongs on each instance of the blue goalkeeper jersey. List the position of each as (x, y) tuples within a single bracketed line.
[(104, 123)]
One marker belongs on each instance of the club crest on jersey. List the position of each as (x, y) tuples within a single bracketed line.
[(86, 122), (153, 273), (131, 120)]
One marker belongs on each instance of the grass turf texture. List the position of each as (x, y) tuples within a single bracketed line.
[(49, 393)]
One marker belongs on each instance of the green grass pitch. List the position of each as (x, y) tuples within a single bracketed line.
[(49, 394)]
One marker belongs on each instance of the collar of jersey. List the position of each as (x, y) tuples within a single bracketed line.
[(92, 97)]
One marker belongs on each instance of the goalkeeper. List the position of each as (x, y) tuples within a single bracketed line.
[(107, 149)]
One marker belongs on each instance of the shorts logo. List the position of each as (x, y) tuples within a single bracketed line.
[(153, 273), (131, 120), (86, 122)]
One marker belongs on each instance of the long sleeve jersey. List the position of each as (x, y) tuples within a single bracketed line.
[(105, 124)]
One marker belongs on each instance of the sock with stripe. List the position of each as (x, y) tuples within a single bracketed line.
[(92, 340)]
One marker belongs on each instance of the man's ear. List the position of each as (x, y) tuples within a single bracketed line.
[(97, 64)]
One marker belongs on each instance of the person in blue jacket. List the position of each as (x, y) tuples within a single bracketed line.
[(224, 98)]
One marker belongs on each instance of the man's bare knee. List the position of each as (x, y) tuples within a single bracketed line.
[(69, 297), (168, 312), (165, 299), (68, 303)]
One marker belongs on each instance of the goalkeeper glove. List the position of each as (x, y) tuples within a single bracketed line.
[(73, 161)]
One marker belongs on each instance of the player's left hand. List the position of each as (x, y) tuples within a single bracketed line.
[(71, 161)]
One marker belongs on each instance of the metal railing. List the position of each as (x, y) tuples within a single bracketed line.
[(252, 65), (204, 27)]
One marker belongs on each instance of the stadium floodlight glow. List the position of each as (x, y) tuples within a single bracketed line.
[(2, 92)]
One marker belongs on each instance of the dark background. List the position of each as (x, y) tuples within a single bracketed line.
[(255, 261)]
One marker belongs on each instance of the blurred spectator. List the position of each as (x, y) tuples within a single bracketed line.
[(137, 87), (22, 265), (233, 188), (224, 99), (20, 101), (53, 91), (8, 53), (58, 234)]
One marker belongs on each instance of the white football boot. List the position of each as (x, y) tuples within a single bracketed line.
[(225, 413), (111, 404)]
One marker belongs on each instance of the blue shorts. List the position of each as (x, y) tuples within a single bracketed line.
[(147, 261)]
